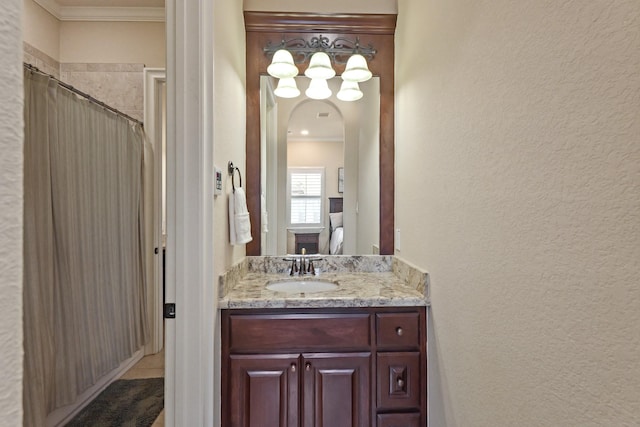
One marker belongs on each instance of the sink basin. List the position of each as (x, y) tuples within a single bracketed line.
[(302, 286)]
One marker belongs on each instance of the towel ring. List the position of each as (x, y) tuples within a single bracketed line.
[(231, 170)]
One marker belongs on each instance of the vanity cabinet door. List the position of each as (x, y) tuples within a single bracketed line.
[(398, 381), (336, 390), (264, 390), (399, 420)]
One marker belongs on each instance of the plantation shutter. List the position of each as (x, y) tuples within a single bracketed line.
[(306, 196)]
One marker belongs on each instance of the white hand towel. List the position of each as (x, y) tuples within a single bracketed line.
[(232, 219), (241, 222), (264, 218)]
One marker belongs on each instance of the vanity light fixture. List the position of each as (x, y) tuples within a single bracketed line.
[(349, 91), (318, 89), (357, 69), (320, 67), (282, 65), (321, 52), (287, 88)]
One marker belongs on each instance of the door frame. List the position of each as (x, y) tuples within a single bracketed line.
[(154, 104), (189, 274)]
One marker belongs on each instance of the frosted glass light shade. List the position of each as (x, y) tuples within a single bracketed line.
[(320, 67), (282, 65), (287, 88), (318, 89), (349, 91), (356, 69)]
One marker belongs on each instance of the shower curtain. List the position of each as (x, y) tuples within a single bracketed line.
[(84, 283)]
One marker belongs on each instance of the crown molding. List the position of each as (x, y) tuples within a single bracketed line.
[(111, 14)]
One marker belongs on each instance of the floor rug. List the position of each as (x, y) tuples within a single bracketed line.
[(125, 403)]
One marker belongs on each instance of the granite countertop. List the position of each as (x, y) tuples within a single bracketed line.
[(363, 281)]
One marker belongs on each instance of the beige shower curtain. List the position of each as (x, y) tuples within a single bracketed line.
[(84, 284)]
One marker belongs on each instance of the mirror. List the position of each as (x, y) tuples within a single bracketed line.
[(340, 139), (263, 28)]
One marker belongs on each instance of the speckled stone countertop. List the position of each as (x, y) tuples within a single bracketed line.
[(363, 281)]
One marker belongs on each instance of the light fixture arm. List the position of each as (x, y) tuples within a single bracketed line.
[(338, 50)]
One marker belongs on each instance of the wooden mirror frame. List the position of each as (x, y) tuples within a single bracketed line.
[(375, 29)]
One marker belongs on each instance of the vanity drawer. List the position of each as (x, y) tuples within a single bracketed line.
[(398, 381), (398, 330), (299, 332), (399, 420)]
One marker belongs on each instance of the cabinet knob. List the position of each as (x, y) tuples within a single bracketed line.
[(399, 331), (293, 367), (307, 366), (400, 382)]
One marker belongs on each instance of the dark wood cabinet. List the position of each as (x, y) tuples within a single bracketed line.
[(398, 381), (356, 367), (309, 242), (336, 390), (399, 420), (263, 390)]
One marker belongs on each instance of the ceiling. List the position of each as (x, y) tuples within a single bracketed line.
[(321, 119)]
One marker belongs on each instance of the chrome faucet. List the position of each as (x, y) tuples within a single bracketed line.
[(304, 266)]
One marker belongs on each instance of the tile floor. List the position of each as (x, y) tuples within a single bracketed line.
[(151, 366)]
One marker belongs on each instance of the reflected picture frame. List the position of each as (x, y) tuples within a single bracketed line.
[(340, 180)]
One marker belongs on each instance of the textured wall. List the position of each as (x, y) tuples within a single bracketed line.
[(41, 60), (518, 189), (120, 86), (11, 137)]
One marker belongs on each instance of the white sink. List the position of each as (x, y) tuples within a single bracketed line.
[(301, 286)]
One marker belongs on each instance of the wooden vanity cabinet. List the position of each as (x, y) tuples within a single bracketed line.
[(355, 367), (263, 390)]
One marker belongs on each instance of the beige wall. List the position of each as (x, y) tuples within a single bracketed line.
[(94, 42), (326, 6), (11, 160), (41, 29), (229, 120), (518, 189), (229, 117), (113, 42), (103, 59)]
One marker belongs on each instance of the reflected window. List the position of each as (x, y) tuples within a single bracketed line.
[(305, 195)]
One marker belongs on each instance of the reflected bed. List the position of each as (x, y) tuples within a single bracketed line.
[(336, 230)]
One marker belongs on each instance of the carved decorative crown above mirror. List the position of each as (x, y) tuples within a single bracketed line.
[(377, 30)]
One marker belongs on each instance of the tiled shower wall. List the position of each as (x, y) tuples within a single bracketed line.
[(41, 60), (118, 85)]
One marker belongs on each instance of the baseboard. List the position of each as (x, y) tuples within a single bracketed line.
[(63, 415)]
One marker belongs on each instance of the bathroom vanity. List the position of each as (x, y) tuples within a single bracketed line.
[(352, 356)]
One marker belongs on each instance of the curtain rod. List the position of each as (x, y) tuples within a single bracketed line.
[(83, 94)]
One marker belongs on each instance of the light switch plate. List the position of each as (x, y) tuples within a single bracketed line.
[(217, 190)]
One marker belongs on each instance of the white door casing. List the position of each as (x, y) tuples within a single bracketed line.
[(189, 355), (154, 82)]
